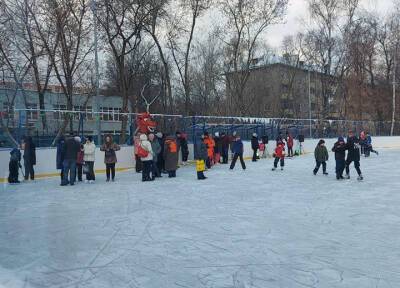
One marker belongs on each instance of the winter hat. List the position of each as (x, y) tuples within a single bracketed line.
[(77, 139), (205, 133), (216, 134), (254, 134), (159, 134), (340, 139), (143, 137), (321, 142), (234, 133)]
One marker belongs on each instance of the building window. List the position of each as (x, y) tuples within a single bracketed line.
[(110, 114), (9, 110), (32, 114), (58, 114), (85, 110)]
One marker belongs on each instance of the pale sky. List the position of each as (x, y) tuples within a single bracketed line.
[(298, 9)]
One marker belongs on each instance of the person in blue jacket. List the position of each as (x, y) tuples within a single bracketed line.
[(60, 155), (369, 147), (237, 149)]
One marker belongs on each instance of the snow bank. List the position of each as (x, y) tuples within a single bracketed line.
[(46, 157)]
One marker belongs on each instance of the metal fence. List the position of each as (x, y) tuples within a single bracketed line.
[(84, 123)]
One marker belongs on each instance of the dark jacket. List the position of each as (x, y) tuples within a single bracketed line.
[(200, 151), (109, 148), (340, 150), (218, 144), (171, 156), (71, 148), (156, 147), (254, 143), (264, 139), (29, 151), (353, 149), (60, 153), (321, 153), (15, 155), (183, 145), (237, 146), (225, 142)]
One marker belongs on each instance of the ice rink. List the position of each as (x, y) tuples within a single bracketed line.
[(253, 228)]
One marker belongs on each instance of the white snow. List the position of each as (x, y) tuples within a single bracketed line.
[(253, 228)]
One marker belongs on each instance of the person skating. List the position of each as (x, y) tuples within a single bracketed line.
[(369, 147), (321, 156), (225, 142), (29, 158), (60, 156), (339, 148), (217, 148), (171, 156), (89, 152), (254, 146), (160, 157), (289, 142), (156, 148), (210, 149), (200, 155), (138, 162), (353, 155), (279, 139), (110, 156), (70, 151), (264, 140), (146, 156), (14, 165), (279, 155), (183, 146), (238, 150), (79, 160)]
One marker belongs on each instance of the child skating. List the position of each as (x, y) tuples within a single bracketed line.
[(321, 156), (279, 155)]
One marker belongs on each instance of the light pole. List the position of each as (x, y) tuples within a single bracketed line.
[(394, 91), (97, 81), (309, 99)]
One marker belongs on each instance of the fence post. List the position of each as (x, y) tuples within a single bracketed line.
[(194, 130)]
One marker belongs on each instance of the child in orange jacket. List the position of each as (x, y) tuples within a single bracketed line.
[(279, 155)]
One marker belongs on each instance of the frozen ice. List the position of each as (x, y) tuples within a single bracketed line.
[(253, 228)]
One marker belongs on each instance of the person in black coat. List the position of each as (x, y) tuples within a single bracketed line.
[(160, 157), (15, 158), (339, 148), (29, 157), (353, 155), (225, 142), (255, 146), (60, 156), (183, 144), (70, 151), (200, 155)]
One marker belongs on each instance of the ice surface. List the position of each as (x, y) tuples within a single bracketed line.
[(256, 228)]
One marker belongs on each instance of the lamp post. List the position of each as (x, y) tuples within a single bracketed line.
[(97, 81)]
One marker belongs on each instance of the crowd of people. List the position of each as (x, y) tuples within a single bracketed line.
[(158, 154)]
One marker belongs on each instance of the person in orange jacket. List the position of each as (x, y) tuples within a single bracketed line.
[(209, 141)]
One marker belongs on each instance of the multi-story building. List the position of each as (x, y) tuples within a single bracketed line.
[(280, 90), (21, 110)]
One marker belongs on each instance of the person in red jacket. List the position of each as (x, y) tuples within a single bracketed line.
[(289, 142), (279, 155)]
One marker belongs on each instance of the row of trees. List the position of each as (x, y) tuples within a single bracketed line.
[(156, 47)]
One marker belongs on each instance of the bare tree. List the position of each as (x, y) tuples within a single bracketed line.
[(66, 44), (122, 22), (180, 40), (27, 43), (246, 21)]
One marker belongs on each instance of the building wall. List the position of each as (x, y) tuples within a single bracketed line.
[(57, 101)]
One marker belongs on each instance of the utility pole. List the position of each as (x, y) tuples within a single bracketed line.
[(309, 99), (394, 90), (96, 99)]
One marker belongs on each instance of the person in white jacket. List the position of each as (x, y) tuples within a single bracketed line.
[(146, 156), (89, 151)]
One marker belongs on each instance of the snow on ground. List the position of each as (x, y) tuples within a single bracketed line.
[(256, 228)]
